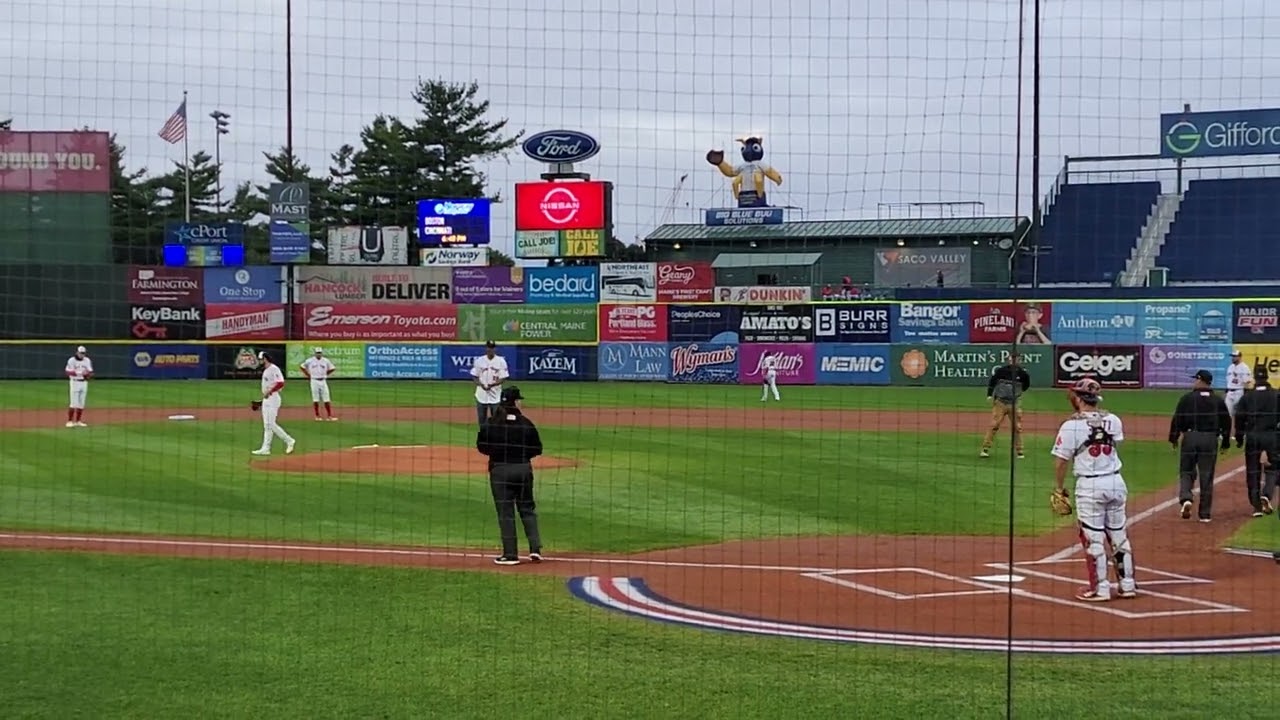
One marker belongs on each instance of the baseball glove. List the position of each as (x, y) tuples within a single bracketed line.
[(255, 405), (1059, 502)]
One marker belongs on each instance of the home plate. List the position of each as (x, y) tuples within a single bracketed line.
[(182, 417), (999, 578)]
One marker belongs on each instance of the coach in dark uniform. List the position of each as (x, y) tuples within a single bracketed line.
[(1258, 429), (511, 441), (1201, 420)]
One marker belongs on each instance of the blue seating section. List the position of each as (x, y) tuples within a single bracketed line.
[(1225, 230), (1093, 228)]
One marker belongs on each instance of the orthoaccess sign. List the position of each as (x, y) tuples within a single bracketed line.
[(1115, 366)]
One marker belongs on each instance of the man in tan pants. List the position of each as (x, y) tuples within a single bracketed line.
[(1004, 391)]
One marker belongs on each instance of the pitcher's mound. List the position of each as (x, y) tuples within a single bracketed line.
[(397, 460)]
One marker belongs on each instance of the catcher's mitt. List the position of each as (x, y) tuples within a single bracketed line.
[(255, 405), (1059, 502)]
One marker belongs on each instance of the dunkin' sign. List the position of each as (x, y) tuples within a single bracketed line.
[(685, 282)]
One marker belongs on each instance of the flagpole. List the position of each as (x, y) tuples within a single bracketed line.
[(186, 157)]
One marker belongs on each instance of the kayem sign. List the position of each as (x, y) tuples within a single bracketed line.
[(1116, 366), (378, 321), (339, 285), (563, 205), (59, 162), (165, 286), (244, 321), (685, 282), (633, 323)]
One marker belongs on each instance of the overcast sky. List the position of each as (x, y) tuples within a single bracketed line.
[(861, 103)]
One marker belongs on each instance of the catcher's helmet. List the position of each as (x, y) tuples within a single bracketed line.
[(1088, 390)]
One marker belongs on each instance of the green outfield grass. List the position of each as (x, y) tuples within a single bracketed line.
[(121, 637), (51, 394), (1259, 534), (637, 488)]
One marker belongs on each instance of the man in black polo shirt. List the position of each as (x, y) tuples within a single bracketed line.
[(1201, 419), (511, 441), (1258, 430)]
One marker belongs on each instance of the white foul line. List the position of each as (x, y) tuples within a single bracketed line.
[(1074, 548)]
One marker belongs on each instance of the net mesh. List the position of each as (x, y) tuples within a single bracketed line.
[(832, 437)]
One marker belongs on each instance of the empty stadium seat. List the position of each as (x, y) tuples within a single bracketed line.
[(1222, 229), (1092, 228)]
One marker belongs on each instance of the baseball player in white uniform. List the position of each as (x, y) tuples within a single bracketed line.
[(79, 370), (769, 363), (318, 368), (272, 384), (490, 371), (1238, 375), (1088, 442)]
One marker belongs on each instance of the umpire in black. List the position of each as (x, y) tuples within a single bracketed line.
[(511, 441), (1201, 420), (1258, 429)]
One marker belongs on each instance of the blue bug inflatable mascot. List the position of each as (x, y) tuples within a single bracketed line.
[(748, 178)]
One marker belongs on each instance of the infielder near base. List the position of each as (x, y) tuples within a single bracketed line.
[(1089, 442), (318, 369), (79, 370), (272, 384)]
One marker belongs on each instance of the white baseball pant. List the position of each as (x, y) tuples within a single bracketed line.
[(1102, 514), (319, 390), (79, 391), (770, 383), (270, 410), (1232, 398)]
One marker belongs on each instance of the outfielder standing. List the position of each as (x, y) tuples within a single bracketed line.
[(318, 369), (770, 379), (1238, 375), (1004, 391), (272, 384), (79, 370), (1089, 441)]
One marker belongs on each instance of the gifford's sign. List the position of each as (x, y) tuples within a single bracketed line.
[(560, 147)]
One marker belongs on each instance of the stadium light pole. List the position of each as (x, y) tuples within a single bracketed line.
[(288, 76), (221, 126)]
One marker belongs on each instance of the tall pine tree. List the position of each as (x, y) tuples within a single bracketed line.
[(204, 190), (137, 228)]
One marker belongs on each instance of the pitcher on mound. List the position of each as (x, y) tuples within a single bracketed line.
[(1089, 443)]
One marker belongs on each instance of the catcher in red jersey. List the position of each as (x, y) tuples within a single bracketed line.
[(1088, 443)]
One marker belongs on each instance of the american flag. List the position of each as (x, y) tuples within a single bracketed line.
[(175, 128)]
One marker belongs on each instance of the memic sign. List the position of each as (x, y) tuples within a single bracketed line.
[(853, 364)]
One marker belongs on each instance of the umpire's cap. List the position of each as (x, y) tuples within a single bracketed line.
[(510, 395), (1260, 374), (1204, 376)]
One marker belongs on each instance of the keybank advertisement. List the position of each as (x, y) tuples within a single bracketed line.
[(964, 365), (561, 285), (633, 361), (455, 360), (850, 364), (554, 363), (348, 360), (403, 362), (931, 322), (168, 362), (1108, 323), (1171, 366)]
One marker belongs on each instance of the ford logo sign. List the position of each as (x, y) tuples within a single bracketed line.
[(561, 146)]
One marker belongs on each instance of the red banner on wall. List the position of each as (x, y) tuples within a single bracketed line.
[(244, 321), (1031, 323), (55, 162), (377, 321), (685, 282), (633, 323)]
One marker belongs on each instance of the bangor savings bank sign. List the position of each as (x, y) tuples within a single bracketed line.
[(1220, 133)]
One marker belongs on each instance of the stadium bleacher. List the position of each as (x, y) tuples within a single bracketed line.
[(1221, 228), (1092, 229)]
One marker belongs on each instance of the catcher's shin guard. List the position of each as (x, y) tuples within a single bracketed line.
[(1095, 558), (1123, 557)]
